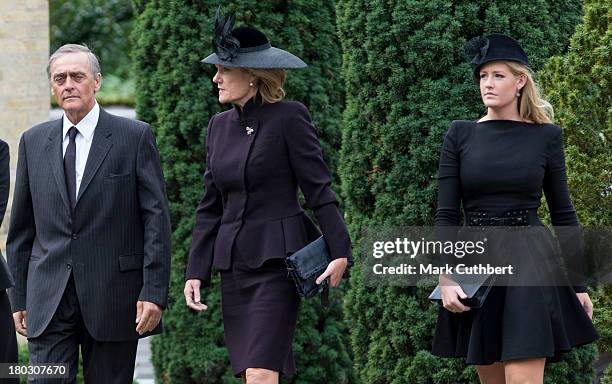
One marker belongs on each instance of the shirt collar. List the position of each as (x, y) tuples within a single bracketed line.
[(86, 126)]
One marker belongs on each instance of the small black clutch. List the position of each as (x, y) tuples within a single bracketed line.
[(476, 287), (308, 263)]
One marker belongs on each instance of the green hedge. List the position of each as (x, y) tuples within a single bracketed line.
[(405, 82), (579, 85), (175, 93)]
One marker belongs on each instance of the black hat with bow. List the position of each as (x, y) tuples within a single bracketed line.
[(481, 50), (247, 47)]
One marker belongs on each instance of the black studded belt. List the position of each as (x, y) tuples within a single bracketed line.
[(510, 218)]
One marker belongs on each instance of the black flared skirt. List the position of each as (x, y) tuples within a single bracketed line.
[(515, 323), (518, 320), (260, 309)]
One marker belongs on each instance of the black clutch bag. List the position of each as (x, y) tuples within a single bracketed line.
[(476, 287), (308, 263)]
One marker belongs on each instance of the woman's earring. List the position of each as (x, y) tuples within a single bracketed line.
[(518, 94), (250, 84)]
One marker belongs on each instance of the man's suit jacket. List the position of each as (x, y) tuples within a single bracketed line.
[(256, 160), (117, 244), (6, 280)]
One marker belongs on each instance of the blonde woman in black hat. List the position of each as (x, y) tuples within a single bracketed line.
[(249, 220), (496, 169)]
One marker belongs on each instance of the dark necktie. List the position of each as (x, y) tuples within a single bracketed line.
[(70, 167)]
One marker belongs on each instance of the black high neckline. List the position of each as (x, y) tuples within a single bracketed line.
[(250, 108), (505, 121)]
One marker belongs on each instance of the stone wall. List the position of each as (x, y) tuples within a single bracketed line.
[(24, 90)]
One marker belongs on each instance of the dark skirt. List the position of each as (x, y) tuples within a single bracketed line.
[(520, 320), (515, 323), (260, 309)]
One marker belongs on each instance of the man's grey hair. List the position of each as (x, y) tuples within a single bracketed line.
[(74, 48)]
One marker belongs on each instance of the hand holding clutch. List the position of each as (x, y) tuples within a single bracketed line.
[(334, 270), (452, 294)]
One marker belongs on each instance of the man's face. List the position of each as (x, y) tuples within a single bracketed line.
[(73, 84)]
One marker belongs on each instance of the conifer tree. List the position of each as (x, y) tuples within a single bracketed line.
[(579, 86)]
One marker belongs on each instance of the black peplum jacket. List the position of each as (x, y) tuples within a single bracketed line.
[(256, 159)]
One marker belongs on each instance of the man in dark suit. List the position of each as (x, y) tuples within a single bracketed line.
[(89, 239), (8, 342)]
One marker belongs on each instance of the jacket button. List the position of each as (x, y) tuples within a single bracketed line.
[(74, 236)]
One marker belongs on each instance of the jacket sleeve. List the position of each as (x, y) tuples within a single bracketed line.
[(22, 231), (208, 219), (4, 178), (156, 221), (314, 179), (562, 212)]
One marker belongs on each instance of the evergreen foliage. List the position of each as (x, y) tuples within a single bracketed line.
[(175, 93), (579, 85), (104, 25), (405, 82)]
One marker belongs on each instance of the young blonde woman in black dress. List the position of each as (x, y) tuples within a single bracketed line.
[(498, 166)]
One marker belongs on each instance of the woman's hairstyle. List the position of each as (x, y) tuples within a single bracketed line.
[(270, 83), (531, 105)]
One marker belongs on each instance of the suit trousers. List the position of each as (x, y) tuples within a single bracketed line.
[(8, 341), (103, 362)]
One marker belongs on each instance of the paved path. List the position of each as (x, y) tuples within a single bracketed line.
[(143, 373)]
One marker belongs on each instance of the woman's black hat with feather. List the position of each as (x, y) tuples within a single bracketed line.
[(483, 49), (247, 47)]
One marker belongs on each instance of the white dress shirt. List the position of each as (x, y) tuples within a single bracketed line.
[(86, 128)]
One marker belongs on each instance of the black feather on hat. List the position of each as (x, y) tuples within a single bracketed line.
[(226, 46)]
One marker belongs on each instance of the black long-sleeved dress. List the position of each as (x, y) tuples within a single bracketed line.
[(496, 166)]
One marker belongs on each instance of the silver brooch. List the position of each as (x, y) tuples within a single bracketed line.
[(249, 130)]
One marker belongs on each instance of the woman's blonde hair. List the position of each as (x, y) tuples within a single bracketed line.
[(531, 105), (270, 83)]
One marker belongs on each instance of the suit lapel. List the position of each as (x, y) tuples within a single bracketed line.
[(56, 158), (100, 146)]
